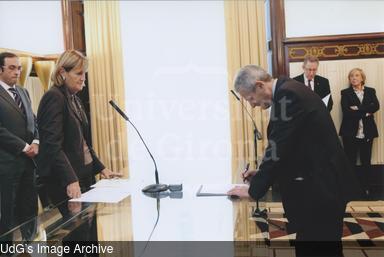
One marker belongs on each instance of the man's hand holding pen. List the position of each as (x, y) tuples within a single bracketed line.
[(247, 174), (242, 191)]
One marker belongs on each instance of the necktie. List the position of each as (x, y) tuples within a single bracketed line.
[(17, 98), (309, 84)]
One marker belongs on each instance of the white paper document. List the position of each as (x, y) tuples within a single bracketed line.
[(326, 99), (216, 189), (113, 183), (102, 195)]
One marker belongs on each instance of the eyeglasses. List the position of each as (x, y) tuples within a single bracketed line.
[(13, 67)]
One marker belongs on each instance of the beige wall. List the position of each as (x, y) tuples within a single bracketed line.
[(337, 72)]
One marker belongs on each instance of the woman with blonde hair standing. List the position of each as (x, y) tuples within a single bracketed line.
[(358, 127), (66, 156)]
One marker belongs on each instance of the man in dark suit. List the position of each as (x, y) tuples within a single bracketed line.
[(304, 156), (19, 141), (316, 83)]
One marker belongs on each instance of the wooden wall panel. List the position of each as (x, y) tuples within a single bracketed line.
[(73, 24), (74, 37)]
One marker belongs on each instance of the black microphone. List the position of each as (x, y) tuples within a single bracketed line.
[(154, 188), (258, 134)]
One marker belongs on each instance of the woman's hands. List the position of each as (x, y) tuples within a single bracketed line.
[(107, 173), (73, 190)]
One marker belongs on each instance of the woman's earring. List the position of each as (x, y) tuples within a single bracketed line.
[(63, 78)]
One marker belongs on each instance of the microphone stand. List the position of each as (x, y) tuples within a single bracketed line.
[(256, 136), (153, 188)]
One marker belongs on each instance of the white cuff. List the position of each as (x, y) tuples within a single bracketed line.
[(25, 148), (36, 141)]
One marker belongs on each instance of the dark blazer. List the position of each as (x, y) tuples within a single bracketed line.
[(17, 186), (350, 122), (304, 155), (321, 88), (16, 129), (63, 131)]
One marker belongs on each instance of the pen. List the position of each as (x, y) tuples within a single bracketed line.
[(246, 169)]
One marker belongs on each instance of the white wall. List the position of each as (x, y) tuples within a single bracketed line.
[(332, 17), (176, 90), (175, 74), (32, 26)]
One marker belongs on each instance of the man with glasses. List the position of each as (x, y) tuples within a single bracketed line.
[(316, 83), (19, 144)]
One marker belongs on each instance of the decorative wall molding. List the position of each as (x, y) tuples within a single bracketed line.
[(352, 46), (35, 57), (329, 47)]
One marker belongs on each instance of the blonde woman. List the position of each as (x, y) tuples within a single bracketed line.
[(358, 127), (66, 156)]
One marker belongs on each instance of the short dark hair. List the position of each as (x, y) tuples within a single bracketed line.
[(4, 55)]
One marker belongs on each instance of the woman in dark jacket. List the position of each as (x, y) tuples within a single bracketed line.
[(66, 158), (358, 127)]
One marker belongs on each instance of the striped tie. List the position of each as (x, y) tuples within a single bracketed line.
[(17, 98)]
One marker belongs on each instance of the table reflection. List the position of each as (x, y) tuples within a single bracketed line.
[(139, 224)]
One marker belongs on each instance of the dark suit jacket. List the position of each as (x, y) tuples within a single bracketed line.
[(17, 189), (304, 155), (350, 122), (62, 132), (16, 129), (321, 88)]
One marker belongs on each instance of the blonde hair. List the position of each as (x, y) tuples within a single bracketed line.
[(361, 73), (70, 59)]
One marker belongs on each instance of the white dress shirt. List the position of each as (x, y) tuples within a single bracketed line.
[(273, 95), (360, 130), (312, 83), (6, 88)]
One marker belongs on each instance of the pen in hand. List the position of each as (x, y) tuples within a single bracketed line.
[(242, 174)]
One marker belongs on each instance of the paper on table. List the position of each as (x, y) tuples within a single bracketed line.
[(326, 99), (102, 195), (114, 183), (216, 189)]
